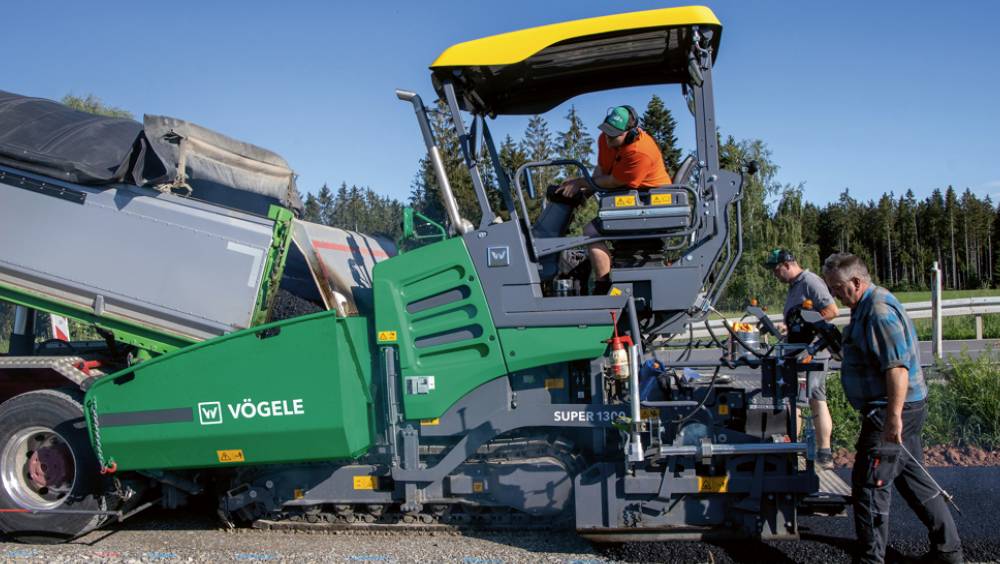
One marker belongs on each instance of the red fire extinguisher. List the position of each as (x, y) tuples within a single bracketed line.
[(620, 365)]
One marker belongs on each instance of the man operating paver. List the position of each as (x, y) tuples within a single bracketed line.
[(627, 159)]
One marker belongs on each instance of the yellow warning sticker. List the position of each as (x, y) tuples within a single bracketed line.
[(649, 413), (661, 199), (554, 383), (624, 201), (723, 409), (713, 484), (387, 336), (615, 292), (365, 482), (235, 455), (430, 422), (478, 487)]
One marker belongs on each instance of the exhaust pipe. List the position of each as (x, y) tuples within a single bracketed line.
[(459, 224)]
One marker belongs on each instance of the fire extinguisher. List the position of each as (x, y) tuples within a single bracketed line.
[(620, 364)]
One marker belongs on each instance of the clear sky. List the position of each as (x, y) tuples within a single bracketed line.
[(871, 96)]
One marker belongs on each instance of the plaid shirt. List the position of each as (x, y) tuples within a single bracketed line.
[(879, 337)]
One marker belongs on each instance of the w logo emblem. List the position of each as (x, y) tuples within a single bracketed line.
[(498, 256), (210, 413)]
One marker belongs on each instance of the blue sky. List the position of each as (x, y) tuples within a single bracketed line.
[(871, 96)]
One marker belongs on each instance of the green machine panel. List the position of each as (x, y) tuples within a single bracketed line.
[(430, 304), (528, 347), (290, 391)]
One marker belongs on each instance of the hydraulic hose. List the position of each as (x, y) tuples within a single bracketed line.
[(704, 400)]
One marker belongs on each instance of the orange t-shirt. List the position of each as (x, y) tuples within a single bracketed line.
[(636, 165)]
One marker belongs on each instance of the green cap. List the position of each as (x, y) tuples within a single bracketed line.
[(778, 256), (617, 122)]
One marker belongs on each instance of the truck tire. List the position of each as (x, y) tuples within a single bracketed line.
[(46, 462)]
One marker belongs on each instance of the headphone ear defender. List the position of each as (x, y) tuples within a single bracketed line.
[(633, 130)]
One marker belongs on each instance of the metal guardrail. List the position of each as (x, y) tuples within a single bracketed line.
[(916, 310)]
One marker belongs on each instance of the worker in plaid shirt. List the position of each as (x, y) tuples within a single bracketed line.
[(883, 380)]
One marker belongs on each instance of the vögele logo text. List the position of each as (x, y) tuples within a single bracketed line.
[(211, 412)]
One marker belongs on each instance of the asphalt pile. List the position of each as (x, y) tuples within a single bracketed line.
[(287, 305)]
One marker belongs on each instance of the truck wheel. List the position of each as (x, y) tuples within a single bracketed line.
[(46, 462)]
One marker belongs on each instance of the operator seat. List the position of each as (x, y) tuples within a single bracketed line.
[(661, 213)]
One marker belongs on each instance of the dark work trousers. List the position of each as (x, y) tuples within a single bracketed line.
[(878, 466)]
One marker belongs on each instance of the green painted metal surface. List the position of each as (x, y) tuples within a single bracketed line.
[(429, 303), (539, 346), (274, 266), (294, 390), (128, 332)]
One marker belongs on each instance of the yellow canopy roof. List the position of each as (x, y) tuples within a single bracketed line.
[(516, 46), (534, 70)]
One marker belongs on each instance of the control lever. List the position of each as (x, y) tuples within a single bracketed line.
[(764, 320), (829, 335)]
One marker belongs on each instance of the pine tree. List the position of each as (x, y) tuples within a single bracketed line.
[(311, 209), (575, 143), (538, 146), (950, 207), (660, 124), (511, 158), (886, 225), (325, 202)]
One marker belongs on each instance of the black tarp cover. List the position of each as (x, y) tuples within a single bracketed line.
[(48, 138), (52, 139)]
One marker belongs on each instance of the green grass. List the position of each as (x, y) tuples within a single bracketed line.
[(960, 327), (948, 295), (964, 409)]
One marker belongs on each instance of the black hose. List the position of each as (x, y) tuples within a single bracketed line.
[(704, 400), (711, 333), (686, 355), (740, 340)]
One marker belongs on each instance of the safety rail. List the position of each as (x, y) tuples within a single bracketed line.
[(977, 307)]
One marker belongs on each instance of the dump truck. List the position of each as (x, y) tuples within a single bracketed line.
[(467, 381)]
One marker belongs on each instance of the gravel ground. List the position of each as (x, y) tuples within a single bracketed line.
[(157, 536), (939, 455)]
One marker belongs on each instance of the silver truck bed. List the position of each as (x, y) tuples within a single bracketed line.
[(171, 264)]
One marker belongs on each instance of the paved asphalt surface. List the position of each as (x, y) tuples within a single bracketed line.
[(189, 536)]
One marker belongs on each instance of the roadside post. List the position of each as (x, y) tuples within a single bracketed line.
[(937, 349)]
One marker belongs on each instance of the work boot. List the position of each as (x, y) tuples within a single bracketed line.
[(936, 557), (824, 459)]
